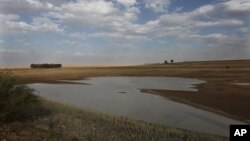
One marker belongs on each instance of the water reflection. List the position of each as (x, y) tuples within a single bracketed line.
[(122, 96)]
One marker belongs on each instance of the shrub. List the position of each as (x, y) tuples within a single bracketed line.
[(17, 102)]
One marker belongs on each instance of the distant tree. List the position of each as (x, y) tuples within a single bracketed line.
[(46, 65), (166, 62), (172, 61)]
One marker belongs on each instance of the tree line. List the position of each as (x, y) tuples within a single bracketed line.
[(46, 65)]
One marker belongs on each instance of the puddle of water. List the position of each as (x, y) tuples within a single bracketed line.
[(120, 96), (243, 84)]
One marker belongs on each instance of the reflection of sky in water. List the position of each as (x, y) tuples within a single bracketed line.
[(105, 95), (243, 84)]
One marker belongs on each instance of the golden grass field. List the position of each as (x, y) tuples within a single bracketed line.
[(219, 94)]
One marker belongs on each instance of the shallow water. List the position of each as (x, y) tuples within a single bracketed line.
[(243, 84), (122, 96)]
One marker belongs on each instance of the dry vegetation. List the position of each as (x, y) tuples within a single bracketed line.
[(210, 71), (69, 123), (219, 94)]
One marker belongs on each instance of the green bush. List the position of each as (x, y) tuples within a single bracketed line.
[(17, 102)]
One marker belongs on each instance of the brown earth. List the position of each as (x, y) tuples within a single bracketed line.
[(223, 98)]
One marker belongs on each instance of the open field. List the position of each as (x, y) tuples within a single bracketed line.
[(219, 94), (66, 122), (209, 70)]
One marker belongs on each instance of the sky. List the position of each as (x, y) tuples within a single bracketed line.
[(80, 32)]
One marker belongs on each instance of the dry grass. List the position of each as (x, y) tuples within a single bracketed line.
[(71, 123), (218, 94), (219, 81), (211, 71)]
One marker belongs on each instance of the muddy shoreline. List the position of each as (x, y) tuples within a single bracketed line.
[(223, 98)]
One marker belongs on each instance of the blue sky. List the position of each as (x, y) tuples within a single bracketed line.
[(122, 31)]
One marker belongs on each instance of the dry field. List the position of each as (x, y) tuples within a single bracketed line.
[(69, 123), (219, 94)]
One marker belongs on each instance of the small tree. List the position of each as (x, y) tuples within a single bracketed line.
[(172, 61), (165, 62)]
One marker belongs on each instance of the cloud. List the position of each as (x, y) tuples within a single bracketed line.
[(121, 25), (12, 24), (73, 43), (237, 6), (89, 23), (8, 17), (99, 13), (127, 3), (42, 24), (117, 35), (36, 26), (157, 5), (87, 7), (223, 22), (207, 16), (238, 9), (77, 35), (105, 16), (24, 6)]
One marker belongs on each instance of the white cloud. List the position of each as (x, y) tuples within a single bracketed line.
[(38, 24), (106, 17), (18, 26), (227, 9), (87, 13), (237, 6), (89, 7), (99, 15), (157, 5), (39, 4), (24, 6), (223, 22), (207, 16), (8, 17), (127, 3), (117, 35), (42, 24), (77, 35), (109, 20)]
